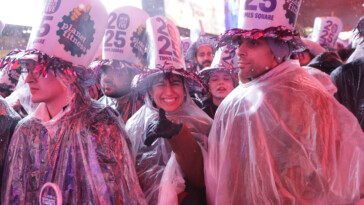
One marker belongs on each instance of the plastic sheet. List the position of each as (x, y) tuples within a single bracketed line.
[(82, 150), (126, 105), (349, 80), (8, 120), (151, 161), (282, 139), (323, 78)]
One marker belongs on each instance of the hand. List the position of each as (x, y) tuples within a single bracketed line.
[(161, 128)]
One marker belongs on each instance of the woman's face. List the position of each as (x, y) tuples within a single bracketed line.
[(220, 84), (168, 93)]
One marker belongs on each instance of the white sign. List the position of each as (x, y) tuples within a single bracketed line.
[(262, 14), (164, 43), (70, 30)]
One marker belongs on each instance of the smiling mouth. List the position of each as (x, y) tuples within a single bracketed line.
[(169, 100), (221, 89)]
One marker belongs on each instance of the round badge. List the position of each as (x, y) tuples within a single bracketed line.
[(50, 194)]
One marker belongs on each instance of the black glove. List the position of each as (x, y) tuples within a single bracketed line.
[(161, 128)]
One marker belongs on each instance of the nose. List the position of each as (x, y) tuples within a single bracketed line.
[(168, 89), (242, 51), (29, 78)]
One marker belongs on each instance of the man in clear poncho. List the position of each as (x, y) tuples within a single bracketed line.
[(122, 60), (81, 148), (164, 164), (71, 149), (281, 138)]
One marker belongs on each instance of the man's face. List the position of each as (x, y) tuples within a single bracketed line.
[(47, 89), (254, 58), (203, 56), (115, 83)]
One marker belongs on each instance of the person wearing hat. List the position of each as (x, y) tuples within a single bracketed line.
[(71, 150), (123, 58), (169, 132), (349, 77), (201, 53), (280, 138), (221, 78), (312, 50)]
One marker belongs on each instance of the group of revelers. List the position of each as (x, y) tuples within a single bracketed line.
[(257, 115)]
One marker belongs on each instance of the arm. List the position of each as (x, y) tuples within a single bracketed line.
[(187, 150)]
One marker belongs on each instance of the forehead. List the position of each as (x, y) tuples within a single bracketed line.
[(219, 73), (204, 48), (162, 78)]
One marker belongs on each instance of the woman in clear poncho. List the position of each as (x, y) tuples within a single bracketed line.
[(160, 175), (82, 149)]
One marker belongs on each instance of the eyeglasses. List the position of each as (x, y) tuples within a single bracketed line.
[(28, 66)]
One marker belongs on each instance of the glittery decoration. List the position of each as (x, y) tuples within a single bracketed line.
[(232, 37), (203, 40), (141, 82), (116, 64), (45, 63)]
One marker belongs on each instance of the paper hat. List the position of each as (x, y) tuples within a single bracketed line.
[(125, 40), (196, 30), (186, 44), (70, 30), (326, 30), (201, 41), (275, 19), (125, 36), (225, 59), (164, 51)]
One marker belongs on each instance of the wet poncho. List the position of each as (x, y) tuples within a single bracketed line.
[(349, 80), (151, 162), (283, 139), (323, 78), (81, 149), (8, 120), (134, 102)]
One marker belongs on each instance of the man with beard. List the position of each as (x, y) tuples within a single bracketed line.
[(122, 61), (201, 53)]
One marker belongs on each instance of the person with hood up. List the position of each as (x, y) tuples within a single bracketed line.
[(349, 79), (71, 150), (280, 138), (220, 79), (169, 133), (123, 57)]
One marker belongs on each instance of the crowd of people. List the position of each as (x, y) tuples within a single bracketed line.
[(261, 115)]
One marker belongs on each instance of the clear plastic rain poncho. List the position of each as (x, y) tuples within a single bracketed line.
[(283, 139), (323, 78), (8, 120), (151, 162), (82, 150), (349, 80)]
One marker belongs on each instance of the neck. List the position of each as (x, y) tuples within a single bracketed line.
[(56, 106), (217, 101)]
